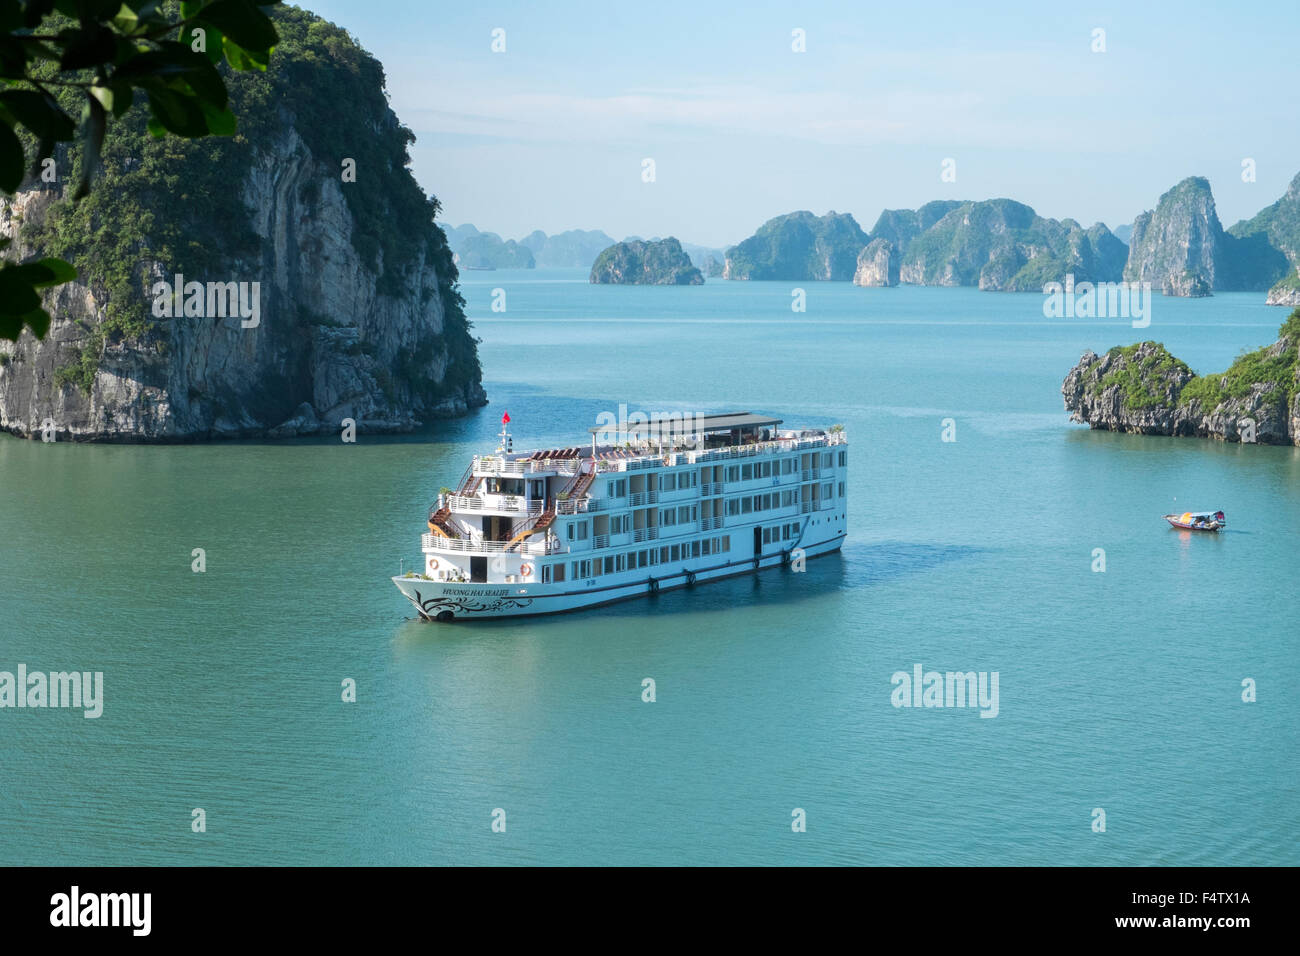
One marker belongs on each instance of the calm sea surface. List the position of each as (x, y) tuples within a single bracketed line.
[(1118, 690)]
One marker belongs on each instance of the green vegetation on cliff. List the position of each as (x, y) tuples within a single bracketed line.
[(1140, 381), (1275, 367), (177, 202), (1148, 368)]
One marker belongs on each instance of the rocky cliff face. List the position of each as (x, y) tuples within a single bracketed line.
[(642, 262), (1004, 246), (1182, 249), (799, 247), (877, 264), (1278, 227), (340, 332), (1142, 389)]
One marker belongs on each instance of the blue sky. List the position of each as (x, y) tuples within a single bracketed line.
[(551, 133)]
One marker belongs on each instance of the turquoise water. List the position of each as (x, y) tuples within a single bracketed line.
[(1118, 690)]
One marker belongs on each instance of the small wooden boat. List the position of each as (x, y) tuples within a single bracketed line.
[(1198, 520)]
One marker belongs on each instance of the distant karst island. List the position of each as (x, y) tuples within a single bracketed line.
[(997, 245), (1143, 389), (645, 262)]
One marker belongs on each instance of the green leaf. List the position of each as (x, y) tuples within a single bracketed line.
[(11, 326), (174, 61), (94, 122), (220, 122), (243, 22), (178, 113), (241, 59), (38, 320), (39, 113), (17, 297), (11, 160), (92, 45), (60, 272)]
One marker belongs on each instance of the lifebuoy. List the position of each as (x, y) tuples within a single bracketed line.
[(526, 569), (433, 564)]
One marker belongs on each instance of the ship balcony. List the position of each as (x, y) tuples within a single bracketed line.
[(437, 544), (489, 466), (573, 506), (513, 505), (708, 524)]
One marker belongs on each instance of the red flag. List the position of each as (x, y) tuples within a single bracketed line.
[(505, 419)]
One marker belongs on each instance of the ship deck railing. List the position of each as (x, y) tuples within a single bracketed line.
[(494, 503), (436, 542), (641, 458)]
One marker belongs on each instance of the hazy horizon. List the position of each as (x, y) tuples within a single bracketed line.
[(551, 133)]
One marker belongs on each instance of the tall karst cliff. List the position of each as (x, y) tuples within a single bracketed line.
[(1181, 248), (358, 313)]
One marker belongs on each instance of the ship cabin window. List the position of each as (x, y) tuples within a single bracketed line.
[(578, 530), (787, 466), (733, 473), (618, 488), (828, 460), (581, 569), (763, 469), (844, 459), (695, 549), (746, 472), (841, 489), (505, 486), (677, 552)]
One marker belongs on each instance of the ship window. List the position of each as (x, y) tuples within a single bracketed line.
[(841, 489), (726, 542), (695, 549), (746, 472), (705, 550), (582, 531), (746, 505), (677, 552), (663, 555), (844, 458), (733, 473)]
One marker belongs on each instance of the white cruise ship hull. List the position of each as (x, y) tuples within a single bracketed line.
[(667, 506), (440, 601)]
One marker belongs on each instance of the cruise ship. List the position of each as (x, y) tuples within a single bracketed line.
[(644, 507)]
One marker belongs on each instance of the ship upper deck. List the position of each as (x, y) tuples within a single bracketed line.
[(650, 453)]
